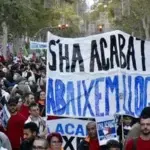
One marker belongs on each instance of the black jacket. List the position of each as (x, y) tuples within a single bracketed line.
[(84, 145)]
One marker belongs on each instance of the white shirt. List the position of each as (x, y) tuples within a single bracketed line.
[(6, 94), (40, 122)]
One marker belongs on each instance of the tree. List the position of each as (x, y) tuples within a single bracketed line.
[(20, 17), (27, 17), (137, 21), (63, 13), (95, 11)]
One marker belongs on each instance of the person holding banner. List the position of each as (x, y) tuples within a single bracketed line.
[(143, 141), (91, 141)]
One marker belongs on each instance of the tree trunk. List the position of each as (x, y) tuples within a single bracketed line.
[(5, 39), (18, 43), (146, 26), (147, 34)]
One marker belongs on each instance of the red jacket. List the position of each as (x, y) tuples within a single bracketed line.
[(15, 130), (140, 144), (24, 110)]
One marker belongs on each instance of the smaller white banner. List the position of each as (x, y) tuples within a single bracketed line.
[(68, 127), (106, 129), (38, 45)]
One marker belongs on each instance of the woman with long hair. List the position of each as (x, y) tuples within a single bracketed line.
[(41, 102)]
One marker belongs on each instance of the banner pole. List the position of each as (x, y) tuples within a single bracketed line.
[(122, 130)]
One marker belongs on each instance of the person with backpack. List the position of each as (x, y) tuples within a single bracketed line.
[(143, 141)]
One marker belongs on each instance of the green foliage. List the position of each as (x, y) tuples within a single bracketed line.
[(96, 9), (22, 16), (29, 16), (133, 22), (133, 18), (65, 14)]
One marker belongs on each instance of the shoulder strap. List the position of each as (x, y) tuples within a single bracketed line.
[(134, 143)]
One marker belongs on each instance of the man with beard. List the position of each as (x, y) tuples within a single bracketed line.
[(143, 141), (28, 99), (15, 124), (30, 133)]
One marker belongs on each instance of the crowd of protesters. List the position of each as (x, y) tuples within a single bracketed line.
[(22, 112), (22, 105)]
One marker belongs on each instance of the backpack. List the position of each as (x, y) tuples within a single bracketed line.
[(134, 143)]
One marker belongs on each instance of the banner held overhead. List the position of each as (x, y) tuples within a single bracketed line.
[(86, 76)]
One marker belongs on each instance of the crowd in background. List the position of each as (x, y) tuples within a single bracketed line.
[(22, 112)]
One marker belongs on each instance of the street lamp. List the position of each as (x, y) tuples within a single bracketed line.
[(67, 25), (63, 26), (60, 26), (100, 28)]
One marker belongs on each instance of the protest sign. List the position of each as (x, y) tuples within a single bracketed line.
[(68, 127), (38, 45), (72, 130), (4, 116), (106, 129), (86, 76)]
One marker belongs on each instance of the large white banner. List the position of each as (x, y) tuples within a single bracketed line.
[(97, 76), (68, 127)]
